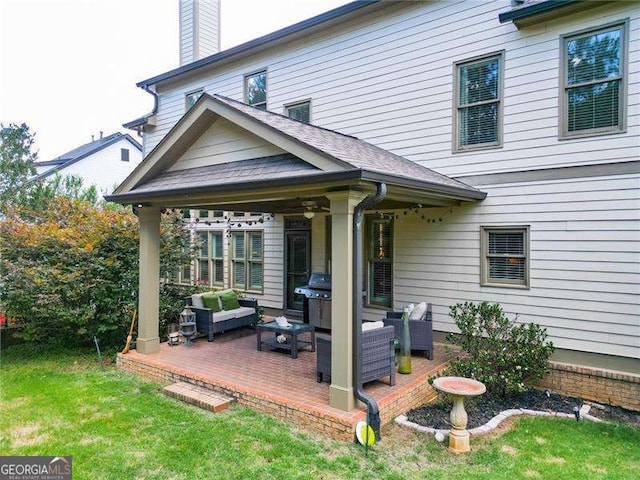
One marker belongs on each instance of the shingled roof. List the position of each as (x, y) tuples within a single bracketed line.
[(83, 151), (313, 156), (353, 152)]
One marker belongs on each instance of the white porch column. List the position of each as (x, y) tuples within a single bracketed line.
[(341, 390), (148, 291)]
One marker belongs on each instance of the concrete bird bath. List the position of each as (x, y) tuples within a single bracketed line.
[(459, 388)]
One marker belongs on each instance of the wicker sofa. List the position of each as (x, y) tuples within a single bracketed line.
[(209, 322), (421, 331), (377, 355)]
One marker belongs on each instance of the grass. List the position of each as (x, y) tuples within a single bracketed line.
[(117, 426)]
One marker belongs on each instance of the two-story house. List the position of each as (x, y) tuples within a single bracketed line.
[(506, 135), (104, 161)]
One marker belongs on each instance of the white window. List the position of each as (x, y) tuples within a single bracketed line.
[(210, 259), (300, 111), (593, 82), (247, 261), (505, 256), (191, 98), (255, 89), (478, 103)]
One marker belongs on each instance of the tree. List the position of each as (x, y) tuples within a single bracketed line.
[(16, 159), (37, 195), (72, 273)]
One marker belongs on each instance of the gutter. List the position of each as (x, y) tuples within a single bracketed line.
[(355, 175), (533, 9), (373, 413), (142, 121)]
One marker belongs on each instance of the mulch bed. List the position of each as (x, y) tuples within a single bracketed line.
[(482, 409)]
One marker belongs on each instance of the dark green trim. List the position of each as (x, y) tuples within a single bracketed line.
[(556, 173), (533, 10)]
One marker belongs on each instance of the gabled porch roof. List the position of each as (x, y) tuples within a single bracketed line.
[(302, 160)]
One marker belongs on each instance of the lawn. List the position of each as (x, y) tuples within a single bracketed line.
[(118, 427)]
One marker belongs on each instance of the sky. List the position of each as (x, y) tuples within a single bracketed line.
[(68, 68)]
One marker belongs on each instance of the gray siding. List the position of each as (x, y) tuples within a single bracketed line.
[(387, 78)]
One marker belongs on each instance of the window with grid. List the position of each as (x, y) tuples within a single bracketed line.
[(255, 89), (505, 256), (210, 259), (593, 82), (299, 111), (191, 98), (478, 103), (379, 241), (247, 260)]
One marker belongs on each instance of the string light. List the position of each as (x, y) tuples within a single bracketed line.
[(417, 210)]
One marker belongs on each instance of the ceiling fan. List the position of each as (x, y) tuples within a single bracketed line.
[(311, 207)]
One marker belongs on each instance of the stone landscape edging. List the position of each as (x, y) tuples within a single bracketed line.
[(497, 420)]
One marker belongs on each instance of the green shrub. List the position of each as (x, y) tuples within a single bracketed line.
[(70, 272), (506, 356)]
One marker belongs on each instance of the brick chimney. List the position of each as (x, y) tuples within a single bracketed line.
[(199, 29)]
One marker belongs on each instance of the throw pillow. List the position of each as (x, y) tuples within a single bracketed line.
[(229, 300), (196, 300), (211, 301), (366, 326), (418, 311)]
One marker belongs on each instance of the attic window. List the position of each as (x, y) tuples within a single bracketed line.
[(255, 89), (191, 98), (299, 111), (124, 154)]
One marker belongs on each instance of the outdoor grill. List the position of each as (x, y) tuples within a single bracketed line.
[(316, 306)]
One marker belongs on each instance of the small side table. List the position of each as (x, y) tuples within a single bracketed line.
[(294, 344)]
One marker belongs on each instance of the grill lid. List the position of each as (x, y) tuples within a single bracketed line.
[(319, 286), (320, 281)]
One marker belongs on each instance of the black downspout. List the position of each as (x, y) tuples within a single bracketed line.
[(373, 414)]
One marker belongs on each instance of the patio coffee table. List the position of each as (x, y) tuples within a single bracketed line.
[(293, 344)]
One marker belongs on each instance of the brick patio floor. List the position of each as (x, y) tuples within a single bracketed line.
[(273, 382)]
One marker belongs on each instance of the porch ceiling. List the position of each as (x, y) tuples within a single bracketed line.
[(314, 162)]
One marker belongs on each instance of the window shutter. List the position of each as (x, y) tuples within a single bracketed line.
[(239, 275), (204, 244), (218, 276), (216, 247), (255, 246), (255, 273), (238, 246)]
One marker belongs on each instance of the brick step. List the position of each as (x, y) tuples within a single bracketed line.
[(198, 396)]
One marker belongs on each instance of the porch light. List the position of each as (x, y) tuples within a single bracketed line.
[(309, 214), (187, 325)]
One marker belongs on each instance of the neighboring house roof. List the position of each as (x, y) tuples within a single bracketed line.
[(321, 156), (83, 151), (249, 46)]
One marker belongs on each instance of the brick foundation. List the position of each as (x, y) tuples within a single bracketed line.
[(596, 384), (336, 424)]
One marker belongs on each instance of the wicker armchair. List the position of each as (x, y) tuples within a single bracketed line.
[(377, 356), (421, 331)]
